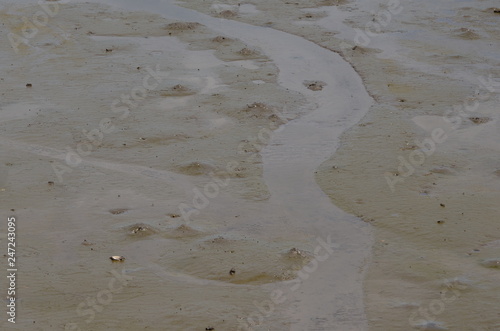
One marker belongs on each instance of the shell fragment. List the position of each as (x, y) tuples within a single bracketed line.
[(117, 258)]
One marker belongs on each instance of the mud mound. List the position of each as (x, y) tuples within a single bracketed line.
[(182, 231), (140, 230), (238, 261), (179, 26), (196, 168)]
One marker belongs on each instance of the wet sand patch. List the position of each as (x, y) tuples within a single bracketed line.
[(410, 217)]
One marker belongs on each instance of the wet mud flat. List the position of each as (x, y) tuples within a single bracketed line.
[(140, 138), (421, 167)]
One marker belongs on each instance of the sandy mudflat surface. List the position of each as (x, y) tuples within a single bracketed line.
[(261, 165)]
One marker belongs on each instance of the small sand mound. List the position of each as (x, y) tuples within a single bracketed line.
[(259, 110), (183, 26), (313, 16), (314, 85), (468, 34), (141, 230), (246, 51), (258, 106), (177, 90), (180, 87), (443, 171), (252, 261), (221, 39), (491, 263), (276, 119), (296, 259), (479, 120), (228, 14), (118, 211), (296, 253), (219, 240), (196, 168), (457, 283), (217, 243), (183, 231)]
